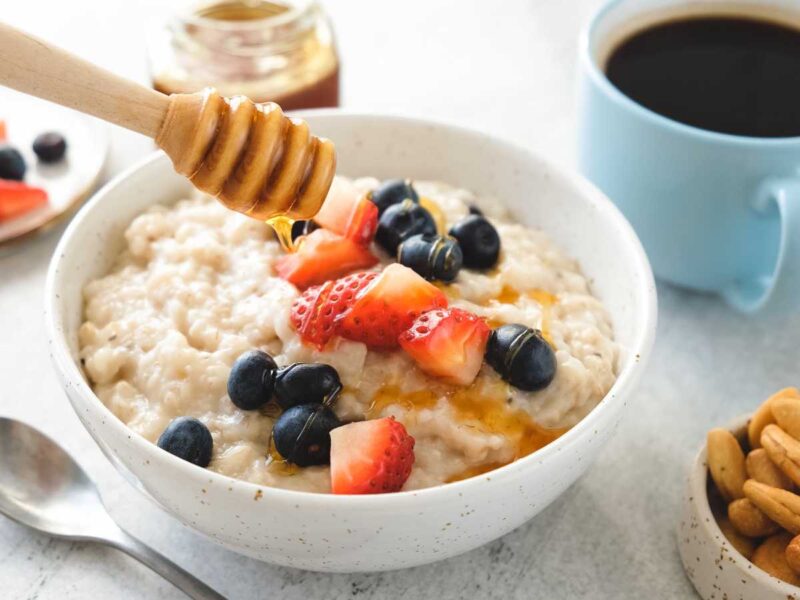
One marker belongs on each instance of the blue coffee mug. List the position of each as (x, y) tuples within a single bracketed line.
[(715, 212)]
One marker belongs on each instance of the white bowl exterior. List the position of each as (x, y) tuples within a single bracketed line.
[(716, 569), (368, 533)]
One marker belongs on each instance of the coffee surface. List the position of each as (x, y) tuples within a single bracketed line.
[(732, 75)]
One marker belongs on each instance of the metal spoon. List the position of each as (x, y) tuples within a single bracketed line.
[(41, 486)]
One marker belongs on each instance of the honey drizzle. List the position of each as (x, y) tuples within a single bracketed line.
[(277, 464), (484, 406), (546, 300), (282, 225), (436, 212)]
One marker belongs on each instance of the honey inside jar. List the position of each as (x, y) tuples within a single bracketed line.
[(485, 407), (241, 10), (281, 52)]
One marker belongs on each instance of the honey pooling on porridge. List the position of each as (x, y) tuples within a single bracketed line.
[(545, 299), (485, 406)]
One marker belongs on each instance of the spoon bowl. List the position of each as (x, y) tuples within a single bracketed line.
[(43, 487)]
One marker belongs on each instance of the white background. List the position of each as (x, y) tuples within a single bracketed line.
[(506, 67)]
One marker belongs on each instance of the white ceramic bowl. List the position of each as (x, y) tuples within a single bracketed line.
[(368, 533), (716, 569)]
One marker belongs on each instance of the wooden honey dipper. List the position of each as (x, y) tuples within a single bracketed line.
[(251, 157)]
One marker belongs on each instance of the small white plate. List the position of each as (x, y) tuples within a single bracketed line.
[(68, 182)]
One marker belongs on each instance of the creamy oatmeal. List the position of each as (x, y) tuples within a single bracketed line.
[(195, 287)]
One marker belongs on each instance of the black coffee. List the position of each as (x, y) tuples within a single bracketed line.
[(732, 75)]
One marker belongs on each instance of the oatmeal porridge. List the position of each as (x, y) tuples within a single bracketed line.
[(198, 286)]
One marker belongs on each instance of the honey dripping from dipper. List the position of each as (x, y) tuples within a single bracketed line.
[(251, 157)]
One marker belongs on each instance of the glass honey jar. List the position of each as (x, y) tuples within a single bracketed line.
[(281, 52)]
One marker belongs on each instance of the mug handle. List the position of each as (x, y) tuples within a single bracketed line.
[(778, 291)]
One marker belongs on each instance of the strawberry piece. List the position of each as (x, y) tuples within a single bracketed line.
[(323, 255), (387, 307), (448, 343), (348, 213), (16, 198), (370, 457), (314, 311), (363, 222)]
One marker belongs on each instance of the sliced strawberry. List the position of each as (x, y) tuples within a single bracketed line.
[(370, 457), (349, 213), (339, 203), (363, 222), (387, 307), (314, 311), (448, 343), (16, 198), (322, 256)]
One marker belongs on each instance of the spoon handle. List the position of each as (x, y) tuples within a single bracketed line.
[(184, 581)]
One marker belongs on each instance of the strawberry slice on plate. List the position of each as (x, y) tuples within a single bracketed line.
[(448, 343), (388, 306), (349, 213), (323, 255), (370, 457), (315, 310), (17, 198)]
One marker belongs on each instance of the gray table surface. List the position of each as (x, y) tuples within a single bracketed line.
[(502, 67)]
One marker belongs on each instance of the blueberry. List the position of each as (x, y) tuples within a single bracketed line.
[(303, 383), (479, 242), (431, 256), (474, 210), (303, 228), (12, 165), (399, 222), (521, 356), (252, 379), (302, 434), (50, 147), (393, 191), (188, 439)]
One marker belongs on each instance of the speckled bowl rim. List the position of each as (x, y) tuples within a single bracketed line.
[(698, 480), (638, 351)]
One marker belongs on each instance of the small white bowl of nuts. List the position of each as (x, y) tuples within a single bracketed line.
[(739, 535)]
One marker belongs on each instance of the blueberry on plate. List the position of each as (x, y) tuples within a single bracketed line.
[(302, 434), (431, 256), (474, 210), (393, 191), (306, 383), (188, 439), (303, 228), (50, 147), (12, 165), (399, 222), (521, 356), (479, 241), (252, 379)]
